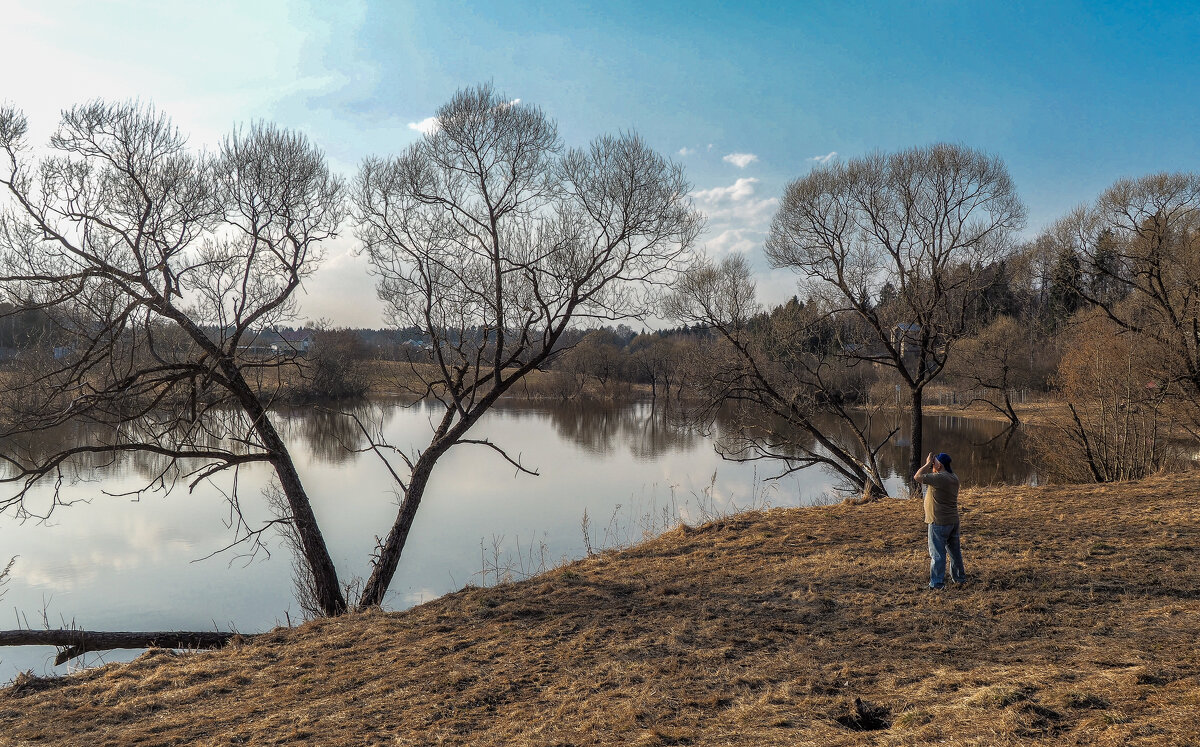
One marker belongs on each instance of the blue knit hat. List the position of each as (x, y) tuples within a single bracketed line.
[(944, 458)]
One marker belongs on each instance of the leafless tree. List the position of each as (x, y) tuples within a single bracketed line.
[(784, 376), (157, 266), (492, 239), (925, 220), (1139, 245), (1002, 358), (599, 356), (658, 360), (1116, 425)]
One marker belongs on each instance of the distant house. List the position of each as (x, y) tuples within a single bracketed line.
[(417, 344), (907, 339), (293, 341), (258, 344)]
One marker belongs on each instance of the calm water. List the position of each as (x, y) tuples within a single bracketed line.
[(118, 564)]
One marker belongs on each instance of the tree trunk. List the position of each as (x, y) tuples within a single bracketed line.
[(916, 457), (389, 554), (78, 642), (1009, 410), (316, 554), (872, 490)]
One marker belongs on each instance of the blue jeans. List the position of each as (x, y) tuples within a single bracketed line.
[(943, 538)]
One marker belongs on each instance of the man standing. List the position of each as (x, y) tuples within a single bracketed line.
[(941, 514)]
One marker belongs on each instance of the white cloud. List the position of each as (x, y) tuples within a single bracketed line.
[(825, 158), (686, 151), (741, 160), (710, 147), (739, 190), (426, 126), (342, 288), (738, 219)]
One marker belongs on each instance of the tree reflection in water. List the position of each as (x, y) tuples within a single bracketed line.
[(602, 428), (331, 431), (986, 452)]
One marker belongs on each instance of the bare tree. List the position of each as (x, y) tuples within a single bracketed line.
[(925, 221), (156, 267), (1115, 426), (1139, 245), (491, 239), (1002, 358), (599, 356), (783, 372)]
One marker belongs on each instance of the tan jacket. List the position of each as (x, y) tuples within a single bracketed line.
[(941, 497)]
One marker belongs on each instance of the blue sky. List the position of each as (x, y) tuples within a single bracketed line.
[(747, 96)]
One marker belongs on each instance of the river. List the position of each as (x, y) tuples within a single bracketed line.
[(110, 562)]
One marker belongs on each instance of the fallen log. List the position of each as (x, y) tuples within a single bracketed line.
[(78, 642)]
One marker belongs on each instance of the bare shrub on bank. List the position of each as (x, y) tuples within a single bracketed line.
[(1003, 358), (335, 365), (1118, 422)]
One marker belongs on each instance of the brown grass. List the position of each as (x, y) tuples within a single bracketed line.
[(1038, 412), (797, 626)]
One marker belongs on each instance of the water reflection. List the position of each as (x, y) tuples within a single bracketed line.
[(645, 432), (333, 433), (985, 452)]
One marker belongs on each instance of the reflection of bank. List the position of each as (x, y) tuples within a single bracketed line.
[(985, 451), (601, 429)]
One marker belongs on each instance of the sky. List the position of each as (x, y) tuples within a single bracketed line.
[(747, 96)]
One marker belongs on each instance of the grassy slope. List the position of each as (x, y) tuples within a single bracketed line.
[(1079, 627)]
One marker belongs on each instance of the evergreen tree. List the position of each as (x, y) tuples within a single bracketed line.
[(1065, 281)]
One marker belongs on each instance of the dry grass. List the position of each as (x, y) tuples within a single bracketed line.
[(1038, 412), (798, 626)]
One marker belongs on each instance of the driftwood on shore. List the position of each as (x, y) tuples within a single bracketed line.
[(78, 642)]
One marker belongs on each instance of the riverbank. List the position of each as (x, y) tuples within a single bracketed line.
[(1078, 626), (1040, 412)]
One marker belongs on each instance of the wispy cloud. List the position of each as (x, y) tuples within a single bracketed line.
[(685, 151), (741, 160), (736, 192), (825, 158), (738, 218), (426, 126)]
